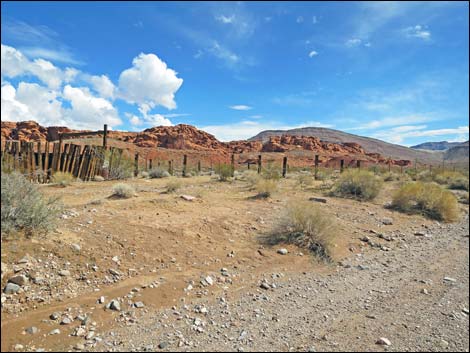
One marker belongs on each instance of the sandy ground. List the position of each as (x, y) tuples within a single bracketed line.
[(151, 247)]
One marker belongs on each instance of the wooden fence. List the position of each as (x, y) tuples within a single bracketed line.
[(39, 161)]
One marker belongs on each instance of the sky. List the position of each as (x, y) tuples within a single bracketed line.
[(397, 71)]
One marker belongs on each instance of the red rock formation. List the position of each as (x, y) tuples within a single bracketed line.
[(186, 137)]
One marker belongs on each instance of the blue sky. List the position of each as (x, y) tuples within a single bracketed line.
[(392, 70)]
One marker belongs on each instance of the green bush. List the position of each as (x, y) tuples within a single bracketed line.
[(224, 171), (359, 184), (158, 173), (426, 198), (123, 191), (24, 208), (459, 183), (62, 179)]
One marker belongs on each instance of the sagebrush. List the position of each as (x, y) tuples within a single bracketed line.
[(62, 179), (306, 225), (158, 173), (224, 171), (123, 191), (266, 187), (427, 198), (359, 184), (173, 185), (25, 208)]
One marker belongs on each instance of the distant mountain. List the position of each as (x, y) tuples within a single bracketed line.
[(370, 145), (458, 154), (436, 146)]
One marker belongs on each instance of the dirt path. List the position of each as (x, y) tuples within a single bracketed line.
[(349, 309)]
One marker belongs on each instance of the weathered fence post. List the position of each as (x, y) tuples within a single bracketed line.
[(185, 161), (232, 164), (150, 164), (199, 166), (341, 165), (389, 165), (416, 165), (259, 164), (136, 164), (358, 164), (170, 168), (105, 135), (316, 167), (248, 165), (284, 166)]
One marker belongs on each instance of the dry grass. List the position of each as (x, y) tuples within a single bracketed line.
[(427, 198), (358, 184), (306, 225), (123, 191), (173, 185), (224, 171), (304, 180), (266, 187), (62, 179), (251, 177), (158, 173)]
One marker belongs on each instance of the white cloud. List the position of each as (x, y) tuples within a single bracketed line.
[(240, 107), (15, 64), (417, 31), (394, 121), (12, 109), (225, 19), (314, 20), (88, 111), (57, 55), (245, 129), (300, 19), (149, 81), (148, 119), (312, 54), (401, 133), (101, 84), (353, 42), (221, 52)]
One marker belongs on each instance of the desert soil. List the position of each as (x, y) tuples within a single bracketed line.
[(197, 275)]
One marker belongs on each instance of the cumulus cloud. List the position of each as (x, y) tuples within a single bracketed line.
[(89, 111), (148, 119), (149, 81), (15, 64), (101, 84)]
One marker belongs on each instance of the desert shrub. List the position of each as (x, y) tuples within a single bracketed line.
[(464, 198), (424, 175), (304, 180), (358, 184), (427, 198), (62, 179), (158, 173), (224, 171), (323, 174), (144, 174), (306, 225), (266, 187), (391, 176), (122, 170), (251, 177), (459, 183), (98, 178), (271, 172), (24, 208), (123, 191), (173, 185)]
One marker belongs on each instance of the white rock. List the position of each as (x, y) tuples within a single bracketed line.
[(384, 341), (282, 251)]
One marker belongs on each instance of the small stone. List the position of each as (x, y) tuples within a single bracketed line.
[(54, 315), (450, 279), (387, 221), (79, 332), (114, 305), (66, 321), (114, 272), (188, 197), (383, 341), (79, 347), (55, 332), (163, 345), (20, 280), (90, 335), (318, 199), (265, 285), (76, 247), (64, 273), (11, 288), (138, 305), (282, 251), (19, 347), (32, 330), (424, 291)]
